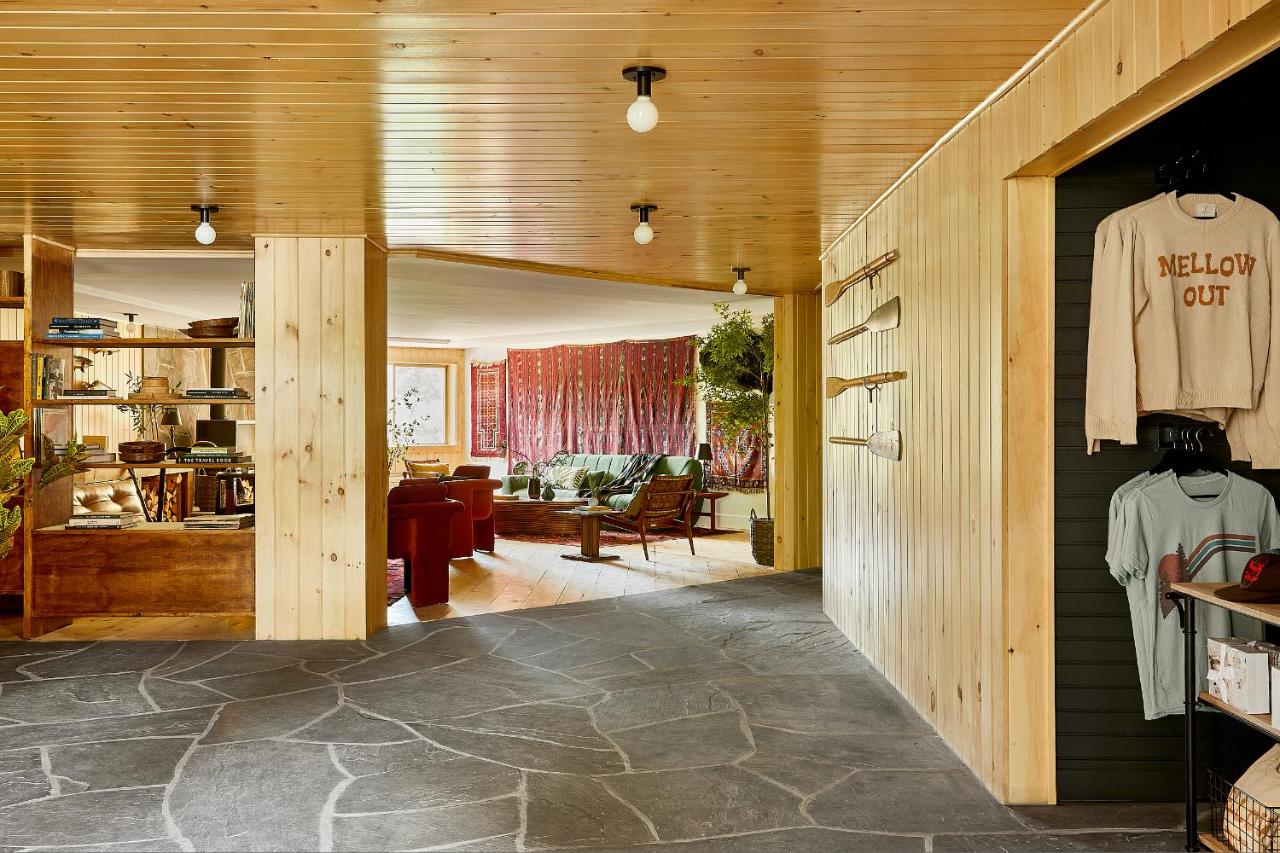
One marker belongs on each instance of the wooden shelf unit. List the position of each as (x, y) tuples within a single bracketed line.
[(1186, 595), (164, 570), (152, 401), (146, 343)]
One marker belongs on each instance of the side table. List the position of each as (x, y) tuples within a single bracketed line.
[(710, 512), (590, 548)]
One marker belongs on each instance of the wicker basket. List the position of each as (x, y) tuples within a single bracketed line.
[(761, 539)]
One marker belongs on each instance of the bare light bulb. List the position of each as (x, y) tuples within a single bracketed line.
[(643, 233), (740, 287), (642, 115), (205, 234)]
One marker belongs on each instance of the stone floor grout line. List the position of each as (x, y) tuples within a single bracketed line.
[(522, 798), (166, 806)]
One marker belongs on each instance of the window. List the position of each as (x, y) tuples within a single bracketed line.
[(420, 402)]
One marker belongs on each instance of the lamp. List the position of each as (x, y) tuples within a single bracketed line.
[(704, 452), (644, 231), (169, 418), (642, 115), (740, 286), (204, 231)]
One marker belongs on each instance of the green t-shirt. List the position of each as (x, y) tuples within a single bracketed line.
[(1166, 535)]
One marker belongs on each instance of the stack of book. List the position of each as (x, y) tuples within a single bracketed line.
[(98, 392), (79, 328), (104, 521), (217, 394), (48, 374), (96, 450), (224, 455), (210, 521)]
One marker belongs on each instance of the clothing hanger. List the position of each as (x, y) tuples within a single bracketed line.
[(1192, 174), (1184, 458)]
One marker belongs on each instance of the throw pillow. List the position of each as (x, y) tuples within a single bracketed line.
[(421, 469), (564, 477)]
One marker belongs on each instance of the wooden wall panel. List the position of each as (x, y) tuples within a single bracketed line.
[(798, 431), (936, 567), (321, 440)]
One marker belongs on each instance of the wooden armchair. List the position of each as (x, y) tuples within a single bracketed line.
[(664, 501)]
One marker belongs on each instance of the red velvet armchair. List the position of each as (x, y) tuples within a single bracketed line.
[(420, 523), (473, 529)]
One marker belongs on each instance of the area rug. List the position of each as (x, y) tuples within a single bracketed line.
[(607, 537), (395, 581)]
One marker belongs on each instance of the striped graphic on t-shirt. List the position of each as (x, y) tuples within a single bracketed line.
[(1216, 544)]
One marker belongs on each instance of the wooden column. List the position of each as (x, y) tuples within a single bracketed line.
[(1028, 489), (321, 437), (797, 466)]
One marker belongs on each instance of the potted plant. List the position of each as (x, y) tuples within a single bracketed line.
[(533, 470), (734, 372), (402, 428), (15, 470)]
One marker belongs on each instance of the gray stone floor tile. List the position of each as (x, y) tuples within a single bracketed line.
[(572, 811), (453, 825), (117, 764), (647, 705), (912, 801), (96, 817), (82, 698), (727, 718), (1039, 842), (687, 742), (254, 796), (708, 802)]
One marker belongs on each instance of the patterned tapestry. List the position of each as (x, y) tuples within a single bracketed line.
[(737, 465), (601, 398), (565, 398), (488, 409), (659, 408)]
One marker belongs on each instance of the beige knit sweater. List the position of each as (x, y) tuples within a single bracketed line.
[(1180, 320)]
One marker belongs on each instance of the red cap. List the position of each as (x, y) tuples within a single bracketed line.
[(1260, 582)]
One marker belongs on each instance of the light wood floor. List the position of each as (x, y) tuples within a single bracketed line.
[(517, 575)]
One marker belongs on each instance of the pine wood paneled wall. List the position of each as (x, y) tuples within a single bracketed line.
[(797, 479), (321, 437), (937, 567)]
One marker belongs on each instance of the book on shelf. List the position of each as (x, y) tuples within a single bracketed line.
[(104, 521), (55, 334), (214, 450), (89, 393), (212, 521), (48, 376), (103, 456), (82, 323), (214, 459), (219, 393), (122, 513)]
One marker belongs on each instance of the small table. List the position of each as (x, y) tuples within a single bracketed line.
[(710, 498), (590, 551), (534, 518)]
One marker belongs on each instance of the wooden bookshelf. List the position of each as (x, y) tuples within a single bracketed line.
[(150, 401), (147, 343)]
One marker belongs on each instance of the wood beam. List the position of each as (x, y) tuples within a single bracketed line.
[(798, 431)]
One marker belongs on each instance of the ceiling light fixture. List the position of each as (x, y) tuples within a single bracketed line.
[(740, 286), (205, 234), (644, 231), (642, 115)]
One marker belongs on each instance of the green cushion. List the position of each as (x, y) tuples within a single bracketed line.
[(603, 468)]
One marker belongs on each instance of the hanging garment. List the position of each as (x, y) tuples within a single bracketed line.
[(1180, 319), (1164, 534)]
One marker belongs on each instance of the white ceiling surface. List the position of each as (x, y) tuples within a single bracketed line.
[(468, 306)]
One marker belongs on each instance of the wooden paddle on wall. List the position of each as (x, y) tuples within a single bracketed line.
[(834, 290), (887, 445), (837, 386), (882, 319)]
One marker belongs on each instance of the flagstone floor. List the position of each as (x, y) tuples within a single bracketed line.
[(705, 719)]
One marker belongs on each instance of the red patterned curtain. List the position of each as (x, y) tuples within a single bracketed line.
[(659, 408), (565, 398)]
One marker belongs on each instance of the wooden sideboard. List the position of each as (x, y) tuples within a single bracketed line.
[(155, 569)]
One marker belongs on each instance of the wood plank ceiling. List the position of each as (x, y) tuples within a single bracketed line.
[(494, 129)]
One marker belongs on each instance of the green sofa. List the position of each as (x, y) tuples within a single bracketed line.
[(603, 468)]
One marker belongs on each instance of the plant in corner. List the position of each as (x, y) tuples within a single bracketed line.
[(734, 373), (16, 467), (402, 428)]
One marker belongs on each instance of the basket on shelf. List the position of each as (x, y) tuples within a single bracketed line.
[(1240, 821), (761, 534)]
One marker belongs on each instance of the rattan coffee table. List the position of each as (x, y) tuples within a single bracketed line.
[(535, 518)]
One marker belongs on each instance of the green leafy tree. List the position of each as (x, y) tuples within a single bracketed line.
[(734, 373), (16, 467)]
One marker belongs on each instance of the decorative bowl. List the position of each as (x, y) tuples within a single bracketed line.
[(223, 327), (141, 451)]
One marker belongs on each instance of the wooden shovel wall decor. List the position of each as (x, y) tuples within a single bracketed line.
[(837, 386), (887, 445), (836, 289), (884, 318)]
